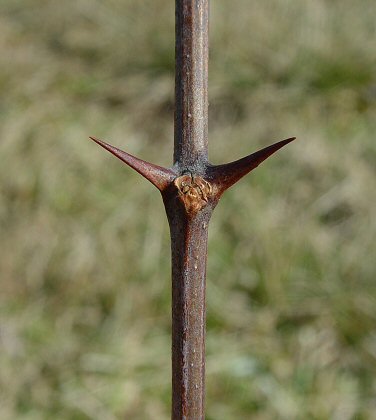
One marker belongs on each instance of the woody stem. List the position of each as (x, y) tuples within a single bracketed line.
[(191, 83)]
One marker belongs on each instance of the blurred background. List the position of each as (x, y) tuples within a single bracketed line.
[(84, 261)]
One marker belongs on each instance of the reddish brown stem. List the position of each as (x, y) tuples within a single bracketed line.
[(188, 250), (191, 83), (189, 223), (191, 190)]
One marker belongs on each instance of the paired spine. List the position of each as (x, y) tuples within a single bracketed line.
[(191, 189)]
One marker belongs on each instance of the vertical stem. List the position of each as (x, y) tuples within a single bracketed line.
[(189, 232), (190, 190), (189, 252), (191, 83)]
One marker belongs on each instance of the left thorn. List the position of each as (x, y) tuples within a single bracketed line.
[(157, 175)]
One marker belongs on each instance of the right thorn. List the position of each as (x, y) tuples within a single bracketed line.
[(223, 176)]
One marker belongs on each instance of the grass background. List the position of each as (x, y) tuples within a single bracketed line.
[(84, 262)]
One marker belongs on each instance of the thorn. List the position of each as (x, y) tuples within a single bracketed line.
[(228, 174), (157, 175)]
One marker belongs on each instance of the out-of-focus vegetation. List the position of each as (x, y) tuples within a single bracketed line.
[(84, 262)]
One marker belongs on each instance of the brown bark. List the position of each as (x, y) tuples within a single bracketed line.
[(191, 190)]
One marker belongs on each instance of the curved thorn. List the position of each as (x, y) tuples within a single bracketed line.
[(157, 175), (223, 176)]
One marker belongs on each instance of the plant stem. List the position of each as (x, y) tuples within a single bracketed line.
[(189, 252), (191, 189), (191, 82), (189, 232)]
